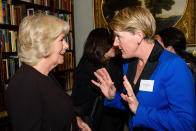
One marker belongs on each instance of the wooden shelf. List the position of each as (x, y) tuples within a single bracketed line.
[(31, 5), (10, 27)]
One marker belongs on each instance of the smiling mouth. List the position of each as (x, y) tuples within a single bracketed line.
[(121, 50), (62, 53)]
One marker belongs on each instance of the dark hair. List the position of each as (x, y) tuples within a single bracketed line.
[(99, 41), (173, 37)]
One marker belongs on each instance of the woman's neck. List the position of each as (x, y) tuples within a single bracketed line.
[(145, 51), (43, 67)]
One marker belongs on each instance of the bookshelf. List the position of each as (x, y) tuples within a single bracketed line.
[(11, 14)]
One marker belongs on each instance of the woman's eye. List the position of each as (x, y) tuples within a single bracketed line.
[(118, 37)]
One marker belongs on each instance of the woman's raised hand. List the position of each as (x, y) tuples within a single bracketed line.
[(130, 96), (105, 83)]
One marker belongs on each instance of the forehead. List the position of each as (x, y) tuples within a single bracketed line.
[(61, 35)]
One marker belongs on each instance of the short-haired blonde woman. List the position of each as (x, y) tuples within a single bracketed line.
[(159, 84), (35, 100)]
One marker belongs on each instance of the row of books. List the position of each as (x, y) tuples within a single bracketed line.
[(57, 4), (4, 12), (39, 2), (65, 17), (10, 65), (66, 80), (68, 62), (13, 14), (62, 5), (8, 40)]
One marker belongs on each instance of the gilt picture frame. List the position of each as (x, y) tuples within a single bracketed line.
[(186, 22)]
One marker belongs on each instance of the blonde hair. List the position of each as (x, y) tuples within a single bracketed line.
[(132, 19), (36, 37)]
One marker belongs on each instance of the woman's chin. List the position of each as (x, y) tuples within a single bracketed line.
[(61, 62), (124, 56)]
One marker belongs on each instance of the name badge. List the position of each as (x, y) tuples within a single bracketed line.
[(146, 85)]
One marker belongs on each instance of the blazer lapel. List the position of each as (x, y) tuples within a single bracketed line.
[(149, 68)]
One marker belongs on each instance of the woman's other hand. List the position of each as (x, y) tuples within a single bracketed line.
[(82, 125), (130, 96), (105, 83)]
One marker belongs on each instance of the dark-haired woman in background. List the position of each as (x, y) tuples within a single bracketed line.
[(173, 39), (98, 52)]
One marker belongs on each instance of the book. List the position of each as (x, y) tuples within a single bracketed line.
[(6, 68), (12, 15), (30, 1), (1, 12), (70, 64), (13, 41), (4, 12), (7, 13), (1, 42), (30, 11), (6, 40)]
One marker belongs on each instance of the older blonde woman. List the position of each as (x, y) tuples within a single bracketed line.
[(35, 100), (159, 84)]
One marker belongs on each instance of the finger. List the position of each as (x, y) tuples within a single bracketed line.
[(83, 129), (128, 99), (106, 74), (102, 88), (96, 83), (103, 73), (127, 86), (99, 76), (86, 127), (123, 96), (113, 87)]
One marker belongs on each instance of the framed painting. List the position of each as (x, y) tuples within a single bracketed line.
[(178, 13)]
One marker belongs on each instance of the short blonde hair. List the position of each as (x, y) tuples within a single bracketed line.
[(132, 19), (36, 37)]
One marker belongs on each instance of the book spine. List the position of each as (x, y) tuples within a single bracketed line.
[(1, 12)]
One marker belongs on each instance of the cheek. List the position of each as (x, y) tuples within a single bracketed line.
[(57, 58), (126, 45), (60, 59), (60, 47), (129, 47)]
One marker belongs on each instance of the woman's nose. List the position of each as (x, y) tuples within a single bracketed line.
[(116, 41), (66, 45)]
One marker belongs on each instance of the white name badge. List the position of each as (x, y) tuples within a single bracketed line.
[(146, 85)]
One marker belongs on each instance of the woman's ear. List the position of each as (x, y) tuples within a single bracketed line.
[(140, 36)]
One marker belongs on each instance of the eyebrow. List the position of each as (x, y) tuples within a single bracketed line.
[(116, 33)]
